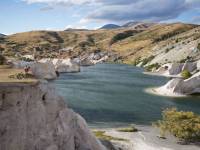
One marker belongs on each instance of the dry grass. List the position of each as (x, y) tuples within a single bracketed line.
[(139, 45), (5, 73), (102, 135)]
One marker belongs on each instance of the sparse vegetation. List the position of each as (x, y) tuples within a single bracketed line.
[(90, 39), (185, 74), (188, 59), (128, 129), (127, 43), (102, 135), (169, 35), (183, 125), (153, 66), (21, 76), (26, 59), (147, 60), (136, 61), (121, 36), (167, 50)]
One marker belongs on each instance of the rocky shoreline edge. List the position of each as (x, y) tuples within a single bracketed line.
[(146, 138)]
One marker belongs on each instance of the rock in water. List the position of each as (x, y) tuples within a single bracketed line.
[(179, 86), (63, 65), (33, 117)]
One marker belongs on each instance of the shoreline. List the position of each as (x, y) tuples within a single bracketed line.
[(161, 91), (162, 75), (147, 138)]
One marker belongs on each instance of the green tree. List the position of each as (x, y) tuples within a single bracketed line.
[(183, 125)]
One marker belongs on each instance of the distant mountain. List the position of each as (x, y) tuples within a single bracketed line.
[(138, 25), (2, 35), (110, 26), (131, 24), (130, 44)]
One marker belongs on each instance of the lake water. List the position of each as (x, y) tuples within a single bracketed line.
[(110, 95)]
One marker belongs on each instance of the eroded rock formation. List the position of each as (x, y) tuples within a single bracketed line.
[(34, 117)]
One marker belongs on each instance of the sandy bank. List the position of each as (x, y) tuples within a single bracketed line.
[(146, 139), (162, 74), (162, 91)]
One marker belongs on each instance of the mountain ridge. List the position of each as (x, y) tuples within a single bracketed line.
[(110, 26), (131, 45)]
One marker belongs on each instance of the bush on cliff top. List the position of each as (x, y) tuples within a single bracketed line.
[(183, 125), (185, 74)]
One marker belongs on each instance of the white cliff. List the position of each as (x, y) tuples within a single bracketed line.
[(33, 117), (43, 70), (180, 87), (63, 65), (175, 69)]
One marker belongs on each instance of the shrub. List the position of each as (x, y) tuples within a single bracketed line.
[(151, 67), (84, 44), (147, 60), (103, 136), (137, 61), (121, 36), (183, 125), (185, 74), (167, 50), (90, 39), (188, 59), (21, 76), (26, 59), (2, 59), (128, 129), (167, 35)]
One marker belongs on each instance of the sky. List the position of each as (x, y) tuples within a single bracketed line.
[(26, 15)]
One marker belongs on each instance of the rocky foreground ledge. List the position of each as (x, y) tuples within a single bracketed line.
[(34, 117)]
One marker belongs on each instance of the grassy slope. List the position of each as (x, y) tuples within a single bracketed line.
[(141, 45), (49, 42)]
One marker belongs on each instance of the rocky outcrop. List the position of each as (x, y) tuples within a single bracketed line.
[(20, 64), (172, 69), (93, 58), (43, 70), (33, 117), (38, 69), (63, 65), (181, 87)]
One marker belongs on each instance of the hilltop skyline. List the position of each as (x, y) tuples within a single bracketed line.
[(25, 15)]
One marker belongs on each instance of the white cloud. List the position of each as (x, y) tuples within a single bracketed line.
[(126, 10), (67, 2), (75, 27)]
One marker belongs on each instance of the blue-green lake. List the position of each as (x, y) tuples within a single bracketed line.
[(114, 95)]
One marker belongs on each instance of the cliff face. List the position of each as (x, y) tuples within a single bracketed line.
[(34, 117)]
